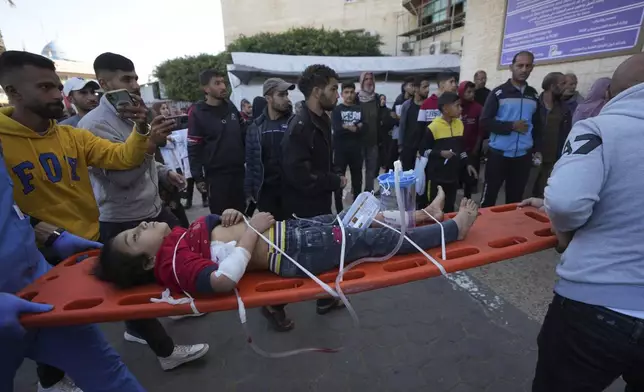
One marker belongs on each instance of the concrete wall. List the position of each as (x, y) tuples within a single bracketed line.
[(250, 17), (483, 32)]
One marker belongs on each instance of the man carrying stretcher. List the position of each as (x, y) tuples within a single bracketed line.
[(213, 254)]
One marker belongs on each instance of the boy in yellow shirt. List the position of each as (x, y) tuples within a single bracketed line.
[(443, 146)]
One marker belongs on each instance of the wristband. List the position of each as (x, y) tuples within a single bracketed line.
[(140, 131), (53, 237)]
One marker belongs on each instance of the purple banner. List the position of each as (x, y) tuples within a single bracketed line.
[(565, 29)]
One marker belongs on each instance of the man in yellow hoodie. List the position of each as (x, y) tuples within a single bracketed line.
[(48, 163)]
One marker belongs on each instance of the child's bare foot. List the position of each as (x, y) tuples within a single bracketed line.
[(435, 208), (468, 211)]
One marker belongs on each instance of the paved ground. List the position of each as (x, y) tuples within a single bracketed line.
[(473, 332)]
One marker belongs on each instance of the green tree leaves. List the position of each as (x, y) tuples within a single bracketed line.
[(180, 75)]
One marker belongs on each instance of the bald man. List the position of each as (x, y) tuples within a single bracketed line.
[(593, 332)]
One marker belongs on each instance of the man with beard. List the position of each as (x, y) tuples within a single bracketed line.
[(410, 133), (556, 121), (307, 161), (481, 92), (127, 198), (48, 164), (263, 180), (570, 95), (511, 118), (216, 137), (82, 94)]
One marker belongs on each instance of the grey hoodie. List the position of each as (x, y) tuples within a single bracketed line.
[(127, 195), (595, 190)]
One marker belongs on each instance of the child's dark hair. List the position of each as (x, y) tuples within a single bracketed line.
[(350, 85), (122, 269), (447, 98)]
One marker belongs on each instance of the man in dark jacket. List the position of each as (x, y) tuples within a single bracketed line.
[(307, 162), (309, 175), (263, 180), (410, 132), (556, 120), (511, 117), (216, 135)]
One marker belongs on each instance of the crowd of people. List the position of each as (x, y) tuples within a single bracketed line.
[(101, 179)]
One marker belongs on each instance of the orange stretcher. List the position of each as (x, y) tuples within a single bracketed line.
[(500, 233)]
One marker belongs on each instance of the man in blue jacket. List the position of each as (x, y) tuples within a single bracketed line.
[(80, 351), (511, 118)]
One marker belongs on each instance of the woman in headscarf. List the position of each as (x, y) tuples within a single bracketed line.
[(370, 105), (594, 102)]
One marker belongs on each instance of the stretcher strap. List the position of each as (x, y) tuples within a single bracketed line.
[(421, 250), (444, 257)]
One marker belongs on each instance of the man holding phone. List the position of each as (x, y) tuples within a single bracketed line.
[(126, 198), (47, 167), (511, 118)]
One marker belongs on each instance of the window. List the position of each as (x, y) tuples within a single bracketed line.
[(437, 11)]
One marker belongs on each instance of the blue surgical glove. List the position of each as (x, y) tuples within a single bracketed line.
[(68, 245), (10, 309)]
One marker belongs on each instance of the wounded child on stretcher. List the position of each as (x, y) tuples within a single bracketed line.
[(214, 252)]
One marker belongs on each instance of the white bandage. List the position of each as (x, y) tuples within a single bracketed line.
[(234, 265), (392, 218)]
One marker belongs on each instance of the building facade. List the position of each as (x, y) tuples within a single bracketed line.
[(615, 23), (249, 17)]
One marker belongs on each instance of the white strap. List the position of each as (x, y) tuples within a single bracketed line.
[(444, 257), (325, 286)]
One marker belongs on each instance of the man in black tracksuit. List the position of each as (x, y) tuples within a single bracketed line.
[(263, 181), (348, 129), (216, 136)]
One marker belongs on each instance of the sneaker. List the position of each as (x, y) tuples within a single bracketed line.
[(131, 338), (64, 385), (183, 316), (183, 354)]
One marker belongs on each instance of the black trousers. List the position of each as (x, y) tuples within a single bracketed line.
[(350, 157), (271, 200), (586, 347), (514, 172), (408, 158), (190, 190), (226, 191), (450, 190), (149, 330)]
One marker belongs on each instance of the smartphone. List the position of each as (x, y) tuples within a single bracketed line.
[(123, 97), (181, 121)]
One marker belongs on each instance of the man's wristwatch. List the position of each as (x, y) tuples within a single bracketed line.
[(143, 129), (53, 237)]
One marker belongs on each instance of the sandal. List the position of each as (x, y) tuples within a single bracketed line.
[(277, 319)]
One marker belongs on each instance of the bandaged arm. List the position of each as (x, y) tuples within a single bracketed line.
[(232, 268)]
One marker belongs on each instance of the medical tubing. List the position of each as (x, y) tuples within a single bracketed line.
[(444, 257), (342, 271), (326, 287), (421, 250), (283, 354)]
